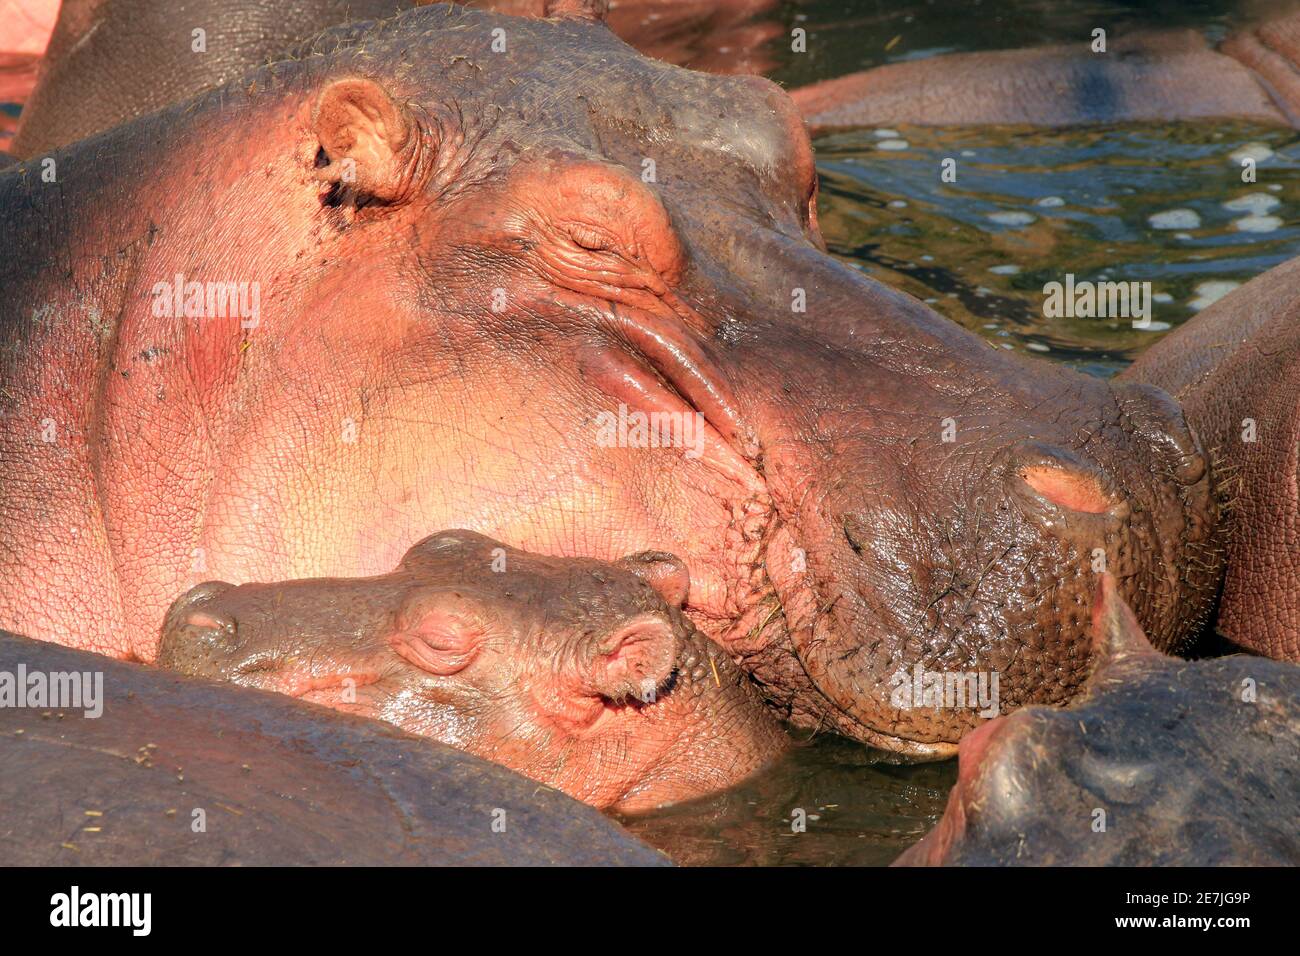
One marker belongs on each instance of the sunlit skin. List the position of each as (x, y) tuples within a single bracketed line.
[(584, 675), (463, 261)]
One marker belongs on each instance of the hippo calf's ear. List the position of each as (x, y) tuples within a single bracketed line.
[(594, 10), (438, 632), (635, 660), (664, 572), (365, 137)]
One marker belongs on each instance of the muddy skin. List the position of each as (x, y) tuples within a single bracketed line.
[(1194, 763), (281, 783), (581, 674), (872, 487), (1155, 77), (1236, 369)]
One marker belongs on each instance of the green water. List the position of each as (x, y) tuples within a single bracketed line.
[(831, 802), (1030, 206)]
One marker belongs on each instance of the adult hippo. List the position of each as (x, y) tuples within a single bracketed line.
[(1161, 762), (111, 60), (446, 287), (1236, 369), (1144, 77)]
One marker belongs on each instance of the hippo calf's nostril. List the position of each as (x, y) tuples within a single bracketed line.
[(1156, 417)]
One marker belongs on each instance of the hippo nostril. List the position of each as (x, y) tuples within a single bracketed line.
[(1071, 491), (1157, 418), (214, 632), (1060, 478)]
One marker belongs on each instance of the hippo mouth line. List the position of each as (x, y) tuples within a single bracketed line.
[(662, 371), (318, 688)]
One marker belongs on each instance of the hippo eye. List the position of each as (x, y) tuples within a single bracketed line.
[(591, 238)]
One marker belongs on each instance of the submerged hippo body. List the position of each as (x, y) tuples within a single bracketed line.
[(157, 769), (1143, 77), (470, 279), (1236, 369), (574, 672), (1162, 762)]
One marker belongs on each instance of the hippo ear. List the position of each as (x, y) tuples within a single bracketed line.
[(1116, 633), (635, 660), (364, 137), (437, 633), (664, 572), (594, 10)]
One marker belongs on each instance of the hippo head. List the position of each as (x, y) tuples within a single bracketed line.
[(582, 299), (1144, 768), (554, 667)]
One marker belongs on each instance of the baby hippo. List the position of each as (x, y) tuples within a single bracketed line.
[(581, 674)]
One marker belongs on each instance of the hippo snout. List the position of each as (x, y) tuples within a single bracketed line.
[(198, 640)]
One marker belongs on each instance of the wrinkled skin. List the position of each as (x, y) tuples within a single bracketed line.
[(25, 27), (282, 784), (578, 673), (1194, 763), (112, 60), (518, 278), (1236, 369)]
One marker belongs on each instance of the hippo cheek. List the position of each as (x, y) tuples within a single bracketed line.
[(918, 627)]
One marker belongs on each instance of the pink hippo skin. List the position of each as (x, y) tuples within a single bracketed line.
[(458, 277), (25, 27), (581, 674)]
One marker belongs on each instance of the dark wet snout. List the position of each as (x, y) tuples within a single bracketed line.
[(197, 639)]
